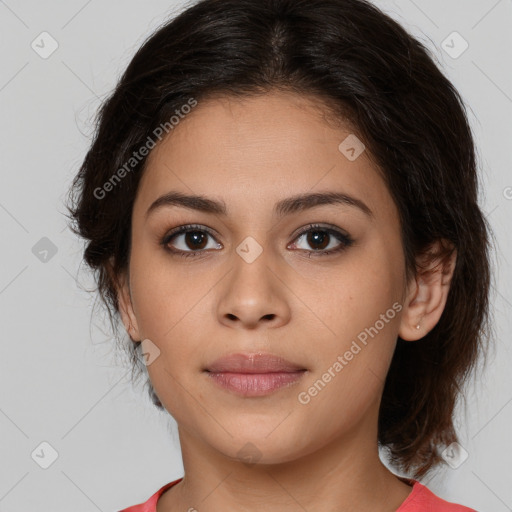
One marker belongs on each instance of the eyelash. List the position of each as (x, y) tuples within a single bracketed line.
[(346, 240)]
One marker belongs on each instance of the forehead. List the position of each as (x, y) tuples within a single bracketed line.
[(256, 150)]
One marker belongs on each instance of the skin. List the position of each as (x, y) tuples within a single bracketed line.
[(289, 301)]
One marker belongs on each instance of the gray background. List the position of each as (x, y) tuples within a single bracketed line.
[(59, 381)]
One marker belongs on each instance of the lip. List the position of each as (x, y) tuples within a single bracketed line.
[(253, 363), (254, 374)]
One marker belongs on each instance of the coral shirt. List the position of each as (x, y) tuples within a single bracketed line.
[(421, 499)]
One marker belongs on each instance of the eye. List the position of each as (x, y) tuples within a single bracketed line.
[(190, 240), (323, 239)]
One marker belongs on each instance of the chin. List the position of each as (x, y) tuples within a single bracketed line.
[(260, 448)]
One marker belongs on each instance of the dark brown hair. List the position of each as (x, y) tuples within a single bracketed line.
[(373, 76)]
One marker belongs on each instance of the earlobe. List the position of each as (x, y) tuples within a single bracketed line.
[(427, 293), (126, 307)]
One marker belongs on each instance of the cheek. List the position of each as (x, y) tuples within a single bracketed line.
[(172, 303), (362, 310), (353, 295), (165, 293)]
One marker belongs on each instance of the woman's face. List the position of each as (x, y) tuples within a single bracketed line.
[(246, 281)]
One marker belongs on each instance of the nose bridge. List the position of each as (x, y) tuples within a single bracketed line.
[(251, 275), (252, 293)]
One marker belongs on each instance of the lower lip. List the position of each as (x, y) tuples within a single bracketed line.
[(255, 384)]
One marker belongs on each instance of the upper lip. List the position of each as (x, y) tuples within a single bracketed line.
[(253, 363)]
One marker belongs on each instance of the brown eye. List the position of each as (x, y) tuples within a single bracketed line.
[(188, 240), (195, 240), (323, 240), (318, 239)]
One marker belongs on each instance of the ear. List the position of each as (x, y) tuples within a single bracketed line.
[(427, 292), (124, 301)]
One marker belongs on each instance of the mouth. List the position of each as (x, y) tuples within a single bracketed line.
[(254, 374)]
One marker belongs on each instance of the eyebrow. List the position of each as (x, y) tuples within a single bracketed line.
[(284, 207)]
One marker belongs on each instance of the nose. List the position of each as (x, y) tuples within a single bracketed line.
[(253, 295)]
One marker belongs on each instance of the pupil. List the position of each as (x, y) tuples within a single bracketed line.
[(316, 237), (195, 236)]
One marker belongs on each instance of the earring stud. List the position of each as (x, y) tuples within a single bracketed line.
[(418, 327)]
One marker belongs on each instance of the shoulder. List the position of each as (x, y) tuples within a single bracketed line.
[(424, 500), (150, 504)]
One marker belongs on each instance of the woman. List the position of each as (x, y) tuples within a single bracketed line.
[(280, 204)]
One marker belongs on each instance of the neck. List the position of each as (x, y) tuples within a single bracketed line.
[(345, 474)]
